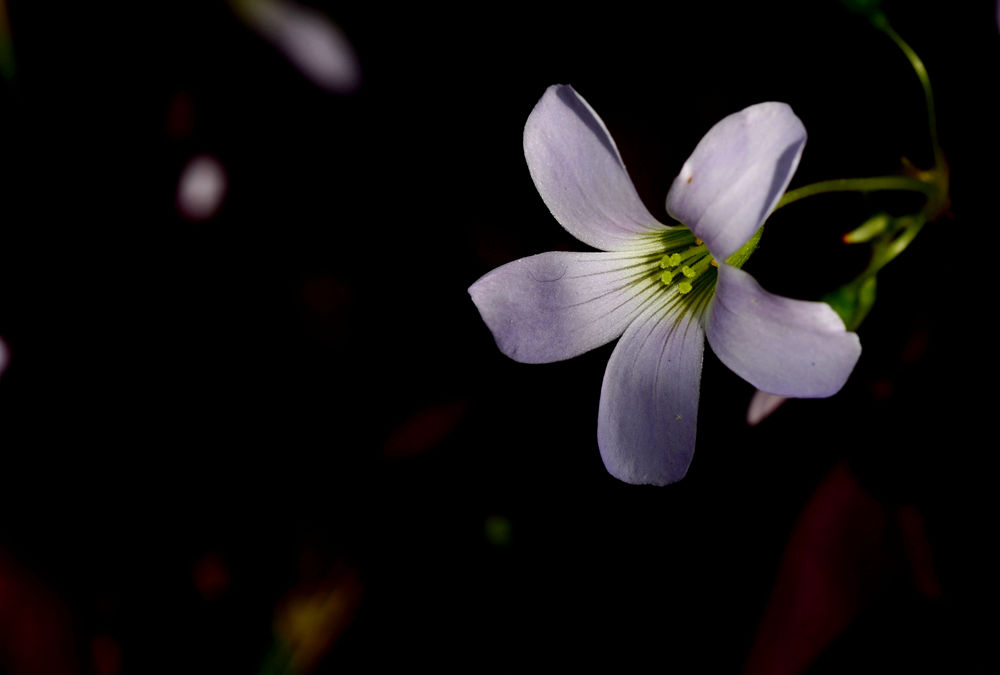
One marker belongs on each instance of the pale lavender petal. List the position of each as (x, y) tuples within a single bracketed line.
[(736, 175), (762, 404), (557, 305), (783, 346), (648, 416), (580, 175)]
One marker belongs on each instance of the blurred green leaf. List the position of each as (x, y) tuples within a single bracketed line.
[(498, 530), (869, 229), (853, 300), (869, 8)]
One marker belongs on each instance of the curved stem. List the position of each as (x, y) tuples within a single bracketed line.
[(918, 67), (878, 183)]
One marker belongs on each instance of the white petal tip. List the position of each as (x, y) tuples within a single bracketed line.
[(762, 405)]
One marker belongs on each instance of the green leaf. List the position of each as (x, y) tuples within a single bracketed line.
[(853, 300), (869, 229)]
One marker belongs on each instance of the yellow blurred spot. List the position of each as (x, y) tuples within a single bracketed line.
[(498, 530), (310, 620)]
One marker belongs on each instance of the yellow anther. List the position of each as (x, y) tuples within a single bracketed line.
[(667, 277), (698, 241), (671, 260), (683, 287), (714, 263), (688, 272)]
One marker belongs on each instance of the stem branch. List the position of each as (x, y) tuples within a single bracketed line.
[(901, 183)]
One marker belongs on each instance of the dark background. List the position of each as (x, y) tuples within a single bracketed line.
[(203, 420)]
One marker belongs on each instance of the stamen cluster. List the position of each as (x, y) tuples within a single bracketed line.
[(685, 261)]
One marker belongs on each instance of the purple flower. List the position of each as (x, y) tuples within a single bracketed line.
[(662, 289)]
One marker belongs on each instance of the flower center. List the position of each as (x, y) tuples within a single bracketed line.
[(682, 268), (677, 271)]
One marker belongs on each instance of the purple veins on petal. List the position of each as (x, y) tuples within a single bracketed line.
[(659, 289), (647, 421), (557, 305)]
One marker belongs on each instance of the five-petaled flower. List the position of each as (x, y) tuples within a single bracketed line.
[(663, 289)]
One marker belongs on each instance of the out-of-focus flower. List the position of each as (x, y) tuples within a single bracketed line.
[(662, 289), (36, 629), (762, 405), (844, 550), (4, 356), (310, 41), (201, 188), (425, 429), (211, 576)]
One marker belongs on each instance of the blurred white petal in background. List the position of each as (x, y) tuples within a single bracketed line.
[(310, 41), (4, 356), (762, 405), (201, 188)]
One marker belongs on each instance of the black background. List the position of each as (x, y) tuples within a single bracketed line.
[(301, 385)]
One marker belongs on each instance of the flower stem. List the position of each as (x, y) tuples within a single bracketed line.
[(882, 23), (875, 184)]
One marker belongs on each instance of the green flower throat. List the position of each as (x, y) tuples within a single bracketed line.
[(684, 268), (682, 263)]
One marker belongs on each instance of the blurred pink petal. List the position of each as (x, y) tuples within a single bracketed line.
[(917, 548), (310, 41), (425, 429), (201, 188), (36, 631), (211, 576), (834, 554), (106, 655), (762, 405)]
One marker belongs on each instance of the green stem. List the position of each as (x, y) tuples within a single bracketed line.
[(882, 24), (877, 183)]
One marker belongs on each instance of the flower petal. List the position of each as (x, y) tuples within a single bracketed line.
[(557, 305), (310, 41), (648, 416), (762, 405), (580, 175), (4, 356), (736, 175), (781, 346), (201, 188)]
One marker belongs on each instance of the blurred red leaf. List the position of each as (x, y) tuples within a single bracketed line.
[(36, 636)]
